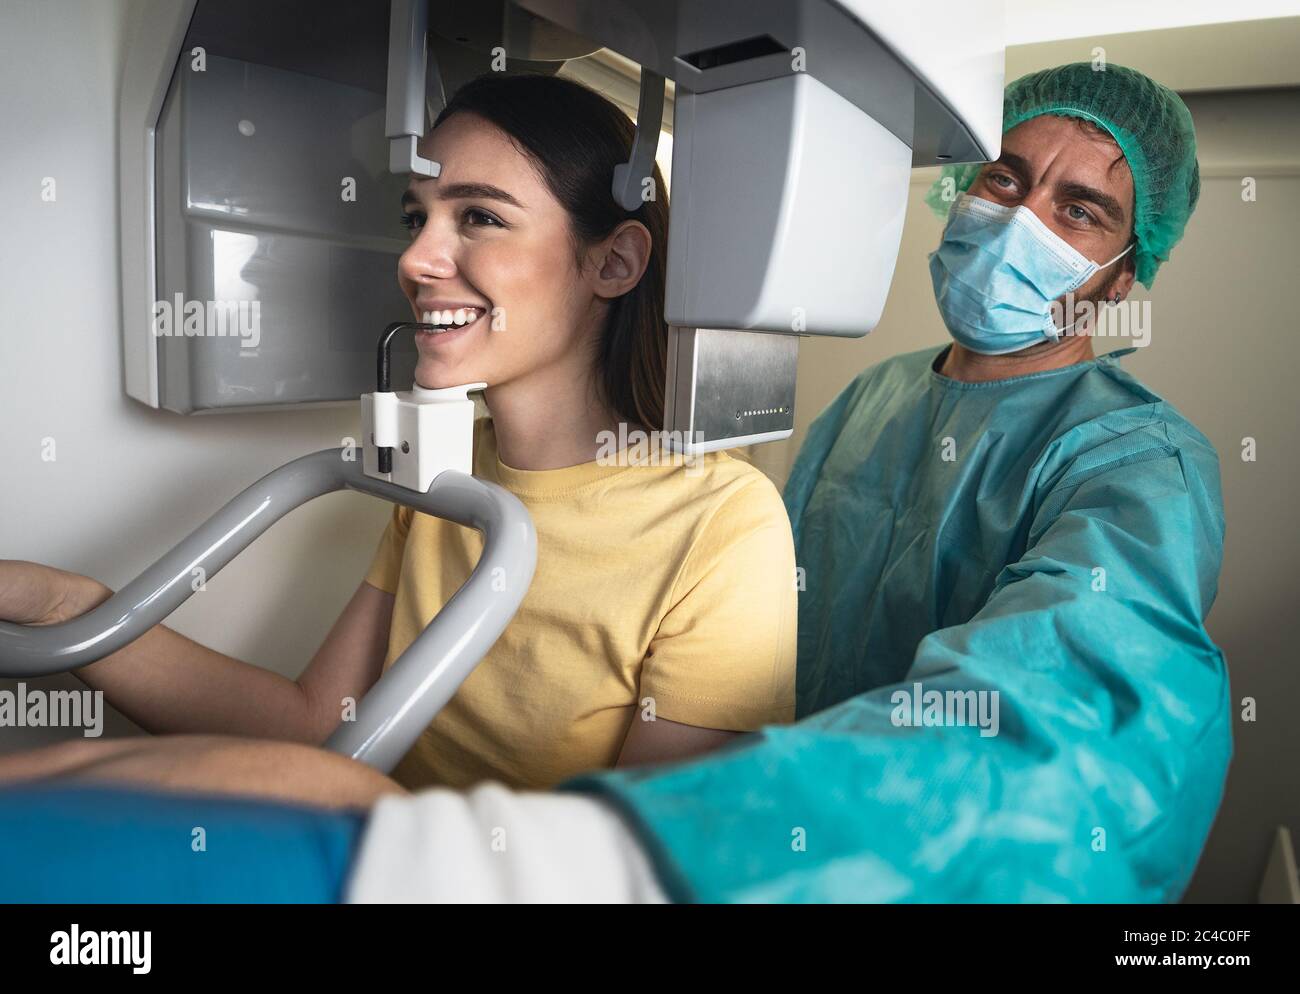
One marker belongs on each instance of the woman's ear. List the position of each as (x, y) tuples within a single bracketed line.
[(621, 259)]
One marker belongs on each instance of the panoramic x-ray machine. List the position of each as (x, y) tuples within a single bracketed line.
[(795, 126)]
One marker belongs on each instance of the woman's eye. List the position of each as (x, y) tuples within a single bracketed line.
[(474, 216), (483, 216)]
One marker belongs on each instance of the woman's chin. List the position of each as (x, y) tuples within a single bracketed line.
[(433, 375)]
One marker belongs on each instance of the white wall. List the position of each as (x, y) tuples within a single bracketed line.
[(129, 482)]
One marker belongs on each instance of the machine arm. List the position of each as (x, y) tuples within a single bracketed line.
[(406, 698)]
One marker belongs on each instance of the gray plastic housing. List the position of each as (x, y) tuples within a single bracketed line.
[(273, 193), (787, 210)]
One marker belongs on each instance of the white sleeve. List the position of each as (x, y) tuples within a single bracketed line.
[(494, 845)]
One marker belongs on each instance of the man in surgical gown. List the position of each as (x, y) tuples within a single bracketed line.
[(1010, 522)]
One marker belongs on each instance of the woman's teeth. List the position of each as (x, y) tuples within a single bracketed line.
[(460, 316)]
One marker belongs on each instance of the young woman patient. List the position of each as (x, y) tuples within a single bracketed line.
[(662, 591)]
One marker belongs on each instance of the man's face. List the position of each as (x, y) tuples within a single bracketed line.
[(1079, 185)]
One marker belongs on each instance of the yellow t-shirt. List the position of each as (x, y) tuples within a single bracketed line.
[(670, 582)]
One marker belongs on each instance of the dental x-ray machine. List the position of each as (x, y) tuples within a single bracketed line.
[(263, 146)]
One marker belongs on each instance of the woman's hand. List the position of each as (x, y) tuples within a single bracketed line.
[(33, 594), (165, 682)]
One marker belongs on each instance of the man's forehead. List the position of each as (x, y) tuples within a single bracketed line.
[(1077, 161), (1062, 145)]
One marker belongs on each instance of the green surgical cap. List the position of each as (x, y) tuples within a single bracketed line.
[(1152, 127)]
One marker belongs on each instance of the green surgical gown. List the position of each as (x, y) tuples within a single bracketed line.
[(1054, 538)]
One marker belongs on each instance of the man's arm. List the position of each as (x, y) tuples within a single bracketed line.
[(289, 772), (1112, 743)]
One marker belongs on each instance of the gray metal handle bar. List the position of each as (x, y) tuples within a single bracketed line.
[(405, 699)]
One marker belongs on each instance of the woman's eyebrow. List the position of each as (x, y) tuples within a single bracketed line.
[(464, 191)]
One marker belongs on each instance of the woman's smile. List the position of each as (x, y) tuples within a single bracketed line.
[(457, 324)]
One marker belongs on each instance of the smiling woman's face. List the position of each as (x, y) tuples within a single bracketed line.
[(487, 234)]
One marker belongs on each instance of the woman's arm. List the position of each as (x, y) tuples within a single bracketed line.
[(167, 683), (663, 741)]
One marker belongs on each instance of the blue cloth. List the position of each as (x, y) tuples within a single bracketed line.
[(955, 535), (92, 845)]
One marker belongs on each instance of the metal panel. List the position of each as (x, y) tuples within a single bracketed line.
[(729, 388), (253, 163)]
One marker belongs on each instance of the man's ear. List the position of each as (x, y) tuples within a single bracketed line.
[(622, 258), (1124, 281)]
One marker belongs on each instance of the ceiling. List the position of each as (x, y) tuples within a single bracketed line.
[(1032, 21)]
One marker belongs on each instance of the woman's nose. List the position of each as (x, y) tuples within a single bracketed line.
[(427, 256)]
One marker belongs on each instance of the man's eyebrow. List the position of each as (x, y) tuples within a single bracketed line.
[(1014, 161), (463, 191), (1108, 204)]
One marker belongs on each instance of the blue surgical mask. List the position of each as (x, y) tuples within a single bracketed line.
[(997, 272)]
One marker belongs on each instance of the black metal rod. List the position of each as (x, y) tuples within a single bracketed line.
[(385, 375)]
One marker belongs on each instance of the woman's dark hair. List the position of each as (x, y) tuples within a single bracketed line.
[(576, 137)]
